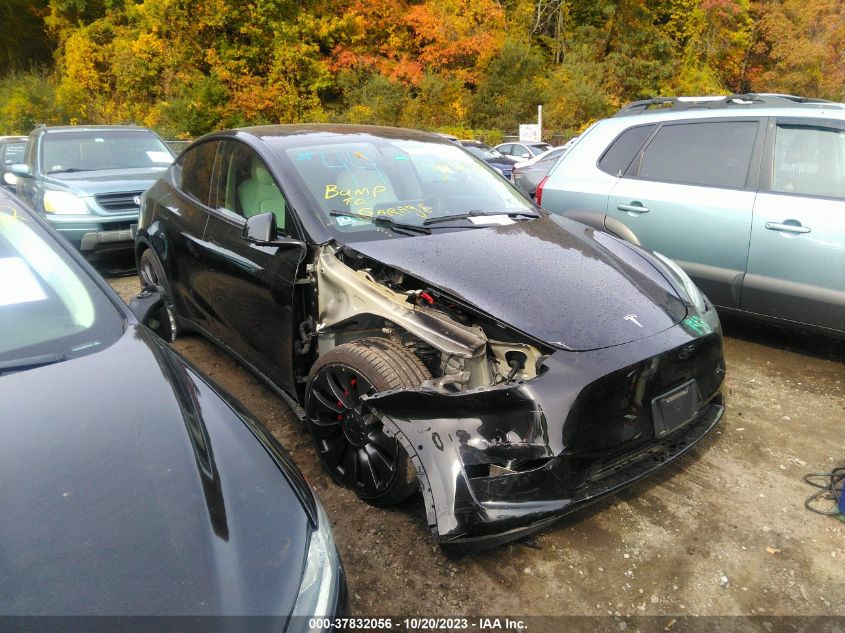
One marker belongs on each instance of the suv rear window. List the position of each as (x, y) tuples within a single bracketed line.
[(716, 154), (621, 152)]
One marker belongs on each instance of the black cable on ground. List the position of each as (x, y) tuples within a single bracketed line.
[(830, 487)]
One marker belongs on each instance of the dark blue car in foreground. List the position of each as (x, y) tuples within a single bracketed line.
[(130, 485)]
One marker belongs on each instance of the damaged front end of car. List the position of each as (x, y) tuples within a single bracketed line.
[(512, 432)]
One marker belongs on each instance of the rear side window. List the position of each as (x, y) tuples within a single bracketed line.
[(621, 152), (192, 173), (716, 154), (809, 160)]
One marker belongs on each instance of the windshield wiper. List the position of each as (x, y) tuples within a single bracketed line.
[(476, 214), (19, 364), (73, 170), (384, 221)]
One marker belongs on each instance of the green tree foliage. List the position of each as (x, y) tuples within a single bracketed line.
[(473, 67)]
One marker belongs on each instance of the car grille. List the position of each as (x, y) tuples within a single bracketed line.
[(124, 202), (613, 414)]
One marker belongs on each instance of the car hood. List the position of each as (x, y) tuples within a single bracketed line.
[(553, 279), (89, 183), (130, 487)]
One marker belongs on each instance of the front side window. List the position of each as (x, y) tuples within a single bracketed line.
[(48, 306), (715, 154), (192, 172), (809, 160), (98, 150), (245, 186)]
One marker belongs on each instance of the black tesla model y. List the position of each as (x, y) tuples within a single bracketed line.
[(434, 329)]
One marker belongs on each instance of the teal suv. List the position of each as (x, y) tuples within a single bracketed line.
[(87, 181), (746, 193)]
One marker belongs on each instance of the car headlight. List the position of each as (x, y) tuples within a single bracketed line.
[(694, 295), (64, 203), (319, 581)]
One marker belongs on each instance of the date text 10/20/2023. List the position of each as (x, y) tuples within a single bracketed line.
[(419, 624)]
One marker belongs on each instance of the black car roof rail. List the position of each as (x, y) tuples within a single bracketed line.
[(720, 102)]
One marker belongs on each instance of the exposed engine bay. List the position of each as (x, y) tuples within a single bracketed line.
[(361, 298)]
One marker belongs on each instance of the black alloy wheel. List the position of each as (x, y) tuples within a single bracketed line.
[(350, 440), (163, 322)]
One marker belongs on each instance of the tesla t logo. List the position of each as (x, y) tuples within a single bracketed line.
[(137, 200), (633, 319)]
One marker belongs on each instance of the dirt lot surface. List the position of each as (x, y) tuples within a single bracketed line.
[(721, 532)]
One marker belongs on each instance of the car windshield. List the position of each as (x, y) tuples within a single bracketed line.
[(97, 150), (48, 305), (484, 152), (539, 148), (407, 181)]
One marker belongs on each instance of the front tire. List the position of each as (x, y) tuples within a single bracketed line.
[(350, 440)]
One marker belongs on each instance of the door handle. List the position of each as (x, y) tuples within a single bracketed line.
[(634, 207), (787, 228)]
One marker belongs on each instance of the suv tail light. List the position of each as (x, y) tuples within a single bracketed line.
[(538, 195)]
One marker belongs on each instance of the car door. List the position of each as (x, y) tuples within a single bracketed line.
[(689, 194), (251, 286), (796, 262), (25, 187), (177, 234)]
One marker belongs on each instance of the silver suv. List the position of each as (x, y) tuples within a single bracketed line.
[(746, 193)]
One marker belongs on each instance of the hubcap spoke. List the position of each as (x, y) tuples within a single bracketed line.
[(336, 388), (368, 477), (382, 465), (326, 426), (350, 466), (332, 452), (385, 445), (324, 401)]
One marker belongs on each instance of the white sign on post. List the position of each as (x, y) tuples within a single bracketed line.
[(529, 132)]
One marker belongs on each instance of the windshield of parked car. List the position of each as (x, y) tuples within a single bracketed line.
[(484, 152), (539, 148), (49, 307), (96, 150), (407, 181)]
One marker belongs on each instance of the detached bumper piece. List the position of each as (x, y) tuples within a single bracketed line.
[(500, 463)]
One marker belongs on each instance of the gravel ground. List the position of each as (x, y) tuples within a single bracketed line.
[(723, 531)]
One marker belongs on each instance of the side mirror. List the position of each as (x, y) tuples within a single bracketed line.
[(21, 170), (260, 229)]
